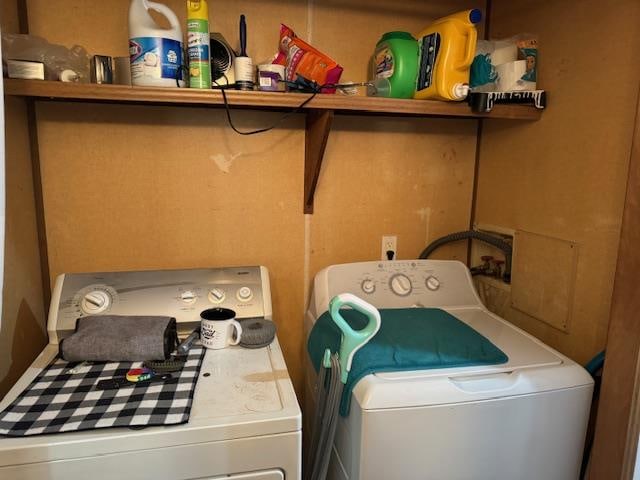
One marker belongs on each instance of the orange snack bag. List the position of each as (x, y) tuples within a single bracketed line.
[(301, 59)]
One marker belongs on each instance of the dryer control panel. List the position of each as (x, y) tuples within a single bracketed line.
[(399, 283), (182, 294)]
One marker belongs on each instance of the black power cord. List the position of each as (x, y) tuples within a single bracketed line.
[(306, 87), (265, 129)]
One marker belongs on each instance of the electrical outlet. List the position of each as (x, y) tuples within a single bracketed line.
[(389, 244)]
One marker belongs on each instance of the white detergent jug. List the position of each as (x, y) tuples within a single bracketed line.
[(155, 53)]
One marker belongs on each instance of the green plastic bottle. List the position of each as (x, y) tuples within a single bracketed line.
[(395, 66)]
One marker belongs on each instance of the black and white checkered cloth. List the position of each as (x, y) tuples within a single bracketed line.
[(62, 401)]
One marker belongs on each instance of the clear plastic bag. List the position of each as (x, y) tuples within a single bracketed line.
[(74, 61)]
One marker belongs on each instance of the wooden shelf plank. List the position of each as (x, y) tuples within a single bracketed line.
[(40, 89)]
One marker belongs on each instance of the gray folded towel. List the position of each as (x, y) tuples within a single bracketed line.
[(117, 338)]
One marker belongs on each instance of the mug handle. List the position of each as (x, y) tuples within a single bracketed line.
[(238, 328)]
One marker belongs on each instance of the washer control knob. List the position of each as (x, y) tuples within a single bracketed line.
[(244, 294), (188, 297), (95, 302), (216, 295), (400, 285), (432, 283), (368, 286)]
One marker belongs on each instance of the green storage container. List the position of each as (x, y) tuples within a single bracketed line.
[(395, 66)]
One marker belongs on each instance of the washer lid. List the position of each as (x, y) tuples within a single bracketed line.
[(532, 367), (523, 350)]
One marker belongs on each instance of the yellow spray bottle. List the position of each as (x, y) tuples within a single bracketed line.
[(447, 48), (198, 44)]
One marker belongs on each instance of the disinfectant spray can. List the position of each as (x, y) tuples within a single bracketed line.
[(198, 44)]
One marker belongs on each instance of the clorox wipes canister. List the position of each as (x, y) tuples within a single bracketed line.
[(155, 52), (447, 48), (395, 66)]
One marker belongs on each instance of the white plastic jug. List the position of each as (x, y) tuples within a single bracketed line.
[(155, 53)]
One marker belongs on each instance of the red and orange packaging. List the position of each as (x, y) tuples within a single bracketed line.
[(301, 59)]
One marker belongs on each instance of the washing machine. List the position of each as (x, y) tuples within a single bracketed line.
[(245, 421), (525, 419)]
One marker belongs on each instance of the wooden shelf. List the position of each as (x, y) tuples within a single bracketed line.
[(270, 100), (320, 110)]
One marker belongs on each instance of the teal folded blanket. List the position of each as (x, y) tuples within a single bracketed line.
[(408, 339)]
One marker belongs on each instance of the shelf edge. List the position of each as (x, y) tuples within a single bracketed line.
[(56, 91)]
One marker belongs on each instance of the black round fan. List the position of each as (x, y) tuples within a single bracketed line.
[(221, 59)]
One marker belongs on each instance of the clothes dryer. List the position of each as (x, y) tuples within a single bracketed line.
[(245, 421)]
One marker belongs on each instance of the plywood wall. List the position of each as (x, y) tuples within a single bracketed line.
[(22, 328), (132, 187), (565, 176), (392, 176)]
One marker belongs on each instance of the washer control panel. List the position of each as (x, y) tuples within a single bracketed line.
[(400, 283), (182, 294)]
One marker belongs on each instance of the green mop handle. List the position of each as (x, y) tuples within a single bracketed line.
[(353, 340)]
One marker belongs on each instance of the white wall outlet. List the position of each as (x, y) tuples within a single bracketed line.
[(389, 244)]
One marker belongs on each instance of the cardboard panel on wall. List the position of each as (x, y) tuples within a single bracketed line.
[(9, 17), (23, 317), (564, 176), (22, 335), (544, 288), (406, 177)]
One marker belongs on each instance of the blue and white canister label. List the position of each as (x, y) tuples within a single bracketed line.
[(154, 57)]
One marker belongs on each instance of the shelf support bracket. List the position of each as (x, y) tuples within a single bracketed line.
[(317, 128)]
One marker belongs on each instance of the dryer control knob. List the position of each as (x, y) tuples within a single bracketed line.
[(188, 297), (432, 283), (216, 295), (400, 285), (368, 286), (95, 302), (244, 294)]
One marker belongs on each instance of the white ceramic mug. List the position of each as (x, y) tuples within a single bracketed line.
[(217, 326)]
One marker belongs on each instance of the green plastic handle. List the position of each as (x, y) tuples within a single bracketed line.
[(353, 340)]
